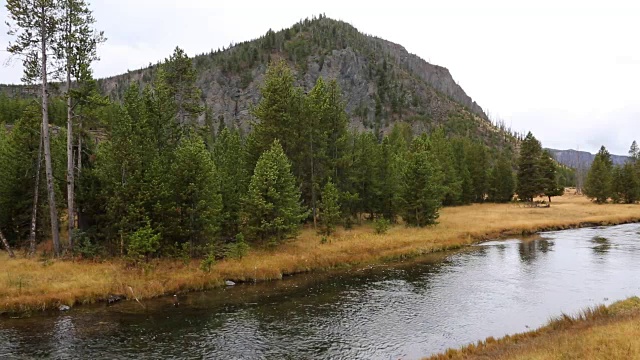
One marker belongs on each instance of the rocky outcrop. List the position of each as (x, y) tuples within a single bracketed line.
[(437, 76), (582, 159)]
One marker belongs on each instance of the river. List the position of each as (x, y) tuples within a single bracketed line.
[(406, 310)]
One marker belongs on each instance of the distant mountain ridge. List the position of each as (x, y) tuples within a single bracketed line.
[(582, 159)]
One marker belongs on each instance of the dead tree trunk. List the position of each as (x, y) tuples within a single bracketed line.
[(6, 245), (53, 211), (70, 166), (34, 210)]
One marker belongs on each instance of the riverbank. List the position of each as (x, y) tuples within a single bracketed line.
[(37, 285), (600, 333)]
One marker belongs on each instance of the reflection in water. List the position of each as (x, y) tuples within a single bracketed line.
[(404, 310), (601, 245)]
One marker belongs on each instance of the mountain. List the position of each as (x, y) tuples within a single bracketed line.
[(382, 82), (581, 159)]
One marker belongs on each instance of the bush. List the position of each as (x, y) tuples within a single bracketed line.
[(83, 245), (237, 250), (183, 252), (209, 260), (143, 243), (381, 226), (207, 263)]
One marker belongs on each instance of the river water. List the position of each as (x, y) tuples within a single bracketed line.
[(402, 310)]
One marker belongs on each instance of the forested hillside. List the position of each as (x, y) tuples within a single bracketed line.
[(381, 82)]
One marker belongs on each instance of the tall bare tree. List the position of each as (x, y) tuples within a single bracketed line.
[(34, 210), (34, 26)]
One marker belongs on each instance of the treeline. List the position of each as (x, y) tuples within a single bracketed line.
[(618, 183), (146, 180), (156, 184)]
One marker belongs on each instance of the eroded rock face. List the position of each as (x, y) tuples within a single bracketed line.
[(437, 76)]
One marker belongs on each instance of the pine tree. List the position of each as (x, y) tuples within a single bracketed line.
[(530, 176), (279, 112), (18, 156), (177, 77), (599, 178), (478, 165), (422, 188), (502, 182), (634, 151), (35, 26), (389, 173), (234, 179), (440, 147), (626, 183), (272, 209), (460, 150), (329, 208), (77, 49), (550, 176), (196, 202)]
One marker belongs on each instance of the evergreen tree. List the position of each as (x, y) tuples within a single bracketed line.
[(77, 49), (530, 175), (599, 178), (390, 175), (634, 151), (178, 76), (550, 176), (234, 179), (279, 112), (272, 209), (502, 182), (460, 150), (196, 202), (440, 147), (422, 188), (366, 183), (478, 165), (35, 27), (330, 208), (626, 183), (18, 156)]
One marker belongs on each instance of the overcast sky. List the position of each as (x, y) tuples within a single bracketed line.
[(567, 70)]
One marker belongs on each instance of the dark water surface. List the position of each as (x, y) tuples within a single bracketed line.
[(405, 310)]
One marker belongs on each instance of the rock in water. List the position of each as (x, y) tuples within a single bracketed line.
[(229, 283), (64, 308), (112, 299)]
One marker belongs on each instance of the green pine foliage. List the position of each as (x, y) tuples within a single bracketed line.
[(234, 179), (531, 181), (272, 211), (422, 187), (330, 212), (502, 182), (550, 176), (600, 177)]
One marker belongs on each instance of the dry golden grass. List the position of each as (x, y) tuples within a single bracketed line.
[(27, 285), (600, 333)]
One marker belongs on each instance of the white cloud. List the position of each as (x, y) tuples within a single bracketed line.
[(567, 70)]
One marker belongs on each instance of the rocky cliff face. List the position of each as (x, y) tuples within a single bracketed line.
[(436, 76), (582, 159)]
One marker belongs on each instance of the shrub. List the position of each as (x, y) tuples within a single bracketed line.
[(381, 226), (143, 243), (83, 245), (238, 249)]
